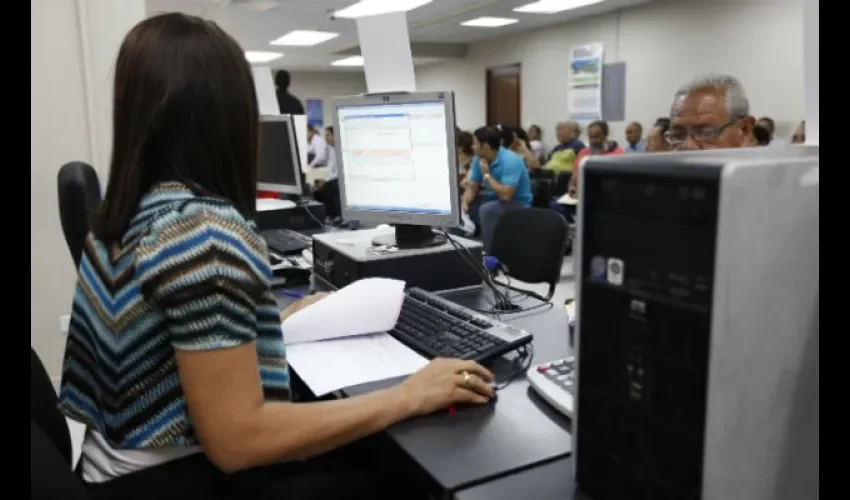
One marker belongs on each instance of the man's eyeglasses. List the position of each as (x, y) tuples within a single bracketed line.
[(678, 135)]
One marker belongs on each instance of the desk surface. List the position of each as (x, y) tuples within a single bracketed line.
[(478, 444), (552, 481)]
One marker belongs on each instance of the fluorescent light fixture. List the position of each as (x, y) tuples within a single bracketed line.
[(349, 61), (365, 8), (553, 6), (489, 22), (302, 38), (259, 57)]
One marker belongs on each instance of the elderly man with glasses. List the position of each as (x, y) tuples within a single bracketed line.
[(712, 113)]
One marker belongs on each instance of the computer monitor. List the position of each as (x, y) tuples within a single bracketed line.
[(279, 166), (397, 164)]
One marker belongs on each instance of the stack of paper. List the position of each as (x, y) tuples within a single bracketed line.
[(341, 341)]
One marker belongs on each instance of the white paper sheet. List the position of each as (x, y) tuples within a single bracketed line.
[(330, 365), (369, 305), (385, 47), (264, 86)]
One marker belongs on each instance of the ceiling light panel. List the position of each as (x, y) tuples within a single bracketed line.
[(349, 61), (489, 22), (260, 57), (554, 6), (365, 8), (303, 38)]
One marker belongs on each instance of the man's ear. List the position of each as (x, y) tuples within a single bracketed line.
[(747, 124)]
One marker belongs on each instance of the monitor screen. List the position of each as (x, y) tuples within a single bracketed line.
[(396, 157), (278, 168)]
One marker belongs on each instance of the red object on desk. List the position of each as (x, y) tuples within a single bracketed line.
[(268, 195)]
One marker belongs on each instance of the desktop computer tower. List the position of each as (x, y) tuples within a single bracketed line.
[(697, 334)]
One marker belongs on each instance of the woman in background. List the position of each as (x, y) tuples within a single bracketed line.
[(535, 138), (465, 154), (515, 139)]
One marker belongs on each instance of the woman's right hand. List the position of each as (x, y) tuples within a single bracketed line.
[(444, 382)]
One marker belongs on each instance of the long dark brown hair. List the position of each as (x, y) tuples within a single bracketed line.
[(184, 110)]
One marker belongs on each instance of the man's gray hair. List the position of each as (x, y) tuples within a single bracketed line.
[(572, 125), (737, 104)]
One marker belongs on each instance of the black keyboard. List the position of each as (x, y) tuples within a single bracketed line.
[(286, 241), (436, 327)]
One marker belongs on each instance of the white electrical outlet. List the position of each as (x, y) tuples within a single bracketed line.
[(64, 323)]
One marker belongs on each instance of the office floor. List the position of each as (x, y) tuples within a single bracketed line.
[(564, 290)]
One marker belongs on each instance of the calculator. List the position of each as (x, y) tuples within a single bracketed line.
[(555, 382)]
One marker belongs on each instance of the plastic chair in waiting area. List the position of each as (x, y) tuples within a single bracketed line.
[(79, 197), (529, 243), (51, 476)]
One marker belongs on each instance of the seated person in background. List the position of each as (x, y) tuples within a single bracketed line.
[(761, 135), (465, 154), (634, 139), (598, 144), (799, 136), (504, 177), (515, 139), (327, 191), (184, 386), (713, 113), (535, 141), (770, 125), (656, 142), (563, 156), (317, 148)]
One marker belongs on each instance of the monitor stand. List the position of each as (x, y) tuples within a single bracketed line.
[(408, 236)]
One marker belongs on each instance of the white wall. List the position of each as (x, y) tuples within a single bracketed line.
[(663, 43), (325, 85), (73, 44)]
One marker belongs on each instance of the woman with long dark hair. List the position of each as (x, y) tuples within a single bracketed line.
[(175, 359)]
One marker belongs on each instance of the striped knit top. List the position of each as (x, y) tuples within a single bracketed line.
[(191, 273)]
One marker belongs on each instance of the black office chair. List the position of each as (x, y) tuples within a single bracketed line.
[(530, 244), (79, 197), (50, 442), (562, 182)]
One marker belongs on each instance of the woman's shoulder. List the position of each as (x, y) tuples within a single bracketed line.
[(198, 223)]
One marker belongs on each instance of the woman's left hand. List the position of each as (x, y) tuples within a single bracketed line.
[(301, 304)]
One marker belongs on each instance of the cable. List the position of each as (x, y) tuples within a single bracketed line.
[(305, 204), (504, 303), (525, 356)]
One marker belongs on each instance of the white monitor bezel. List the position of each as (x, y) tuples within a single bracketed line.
[(451, 219)]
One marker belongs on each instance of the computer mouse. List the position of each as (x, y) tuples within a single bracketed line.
[(384, 226)]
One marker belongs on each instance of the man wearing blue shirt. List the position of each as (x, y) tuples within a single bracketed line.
[(503, 176)]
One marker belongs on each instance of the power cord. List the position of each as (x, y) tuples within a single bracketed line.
[(525, 356), (305, 204), (504, 303)]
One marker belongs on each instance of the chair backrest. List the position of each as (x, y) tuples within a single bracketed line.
[(530, 242), (44, 410), (50, 476), (562, 182), (79, 197)]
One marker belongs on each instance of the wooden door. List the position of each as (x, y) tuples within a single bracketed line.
[(503, 96)]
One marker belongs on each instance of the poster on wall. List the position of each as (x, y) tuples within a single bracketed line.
[(584, 92), (315, 115)]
